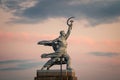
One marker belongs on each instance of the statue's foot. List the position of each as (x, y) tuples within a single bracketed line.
[(42, 68)]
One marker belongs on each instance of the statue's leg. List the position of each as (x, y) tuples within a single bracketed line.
[(50, 63), (47, 64), (49, 55), (54, 57), (68, 60)]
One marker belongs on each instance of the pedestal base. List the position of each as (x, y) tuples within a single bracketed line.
[(55, 75)]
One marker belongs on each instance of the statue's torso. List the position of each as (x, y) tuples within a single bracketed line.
[(60, 45)]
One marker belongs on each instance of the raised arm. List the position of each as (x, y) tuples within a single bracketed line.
[(69, 23)]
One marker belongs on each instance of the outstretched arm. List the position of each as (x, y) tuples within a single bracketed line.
[(69, 27), (45, 43)]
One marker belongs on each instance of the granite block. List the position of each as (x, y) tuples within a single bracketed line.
[(55, 75)]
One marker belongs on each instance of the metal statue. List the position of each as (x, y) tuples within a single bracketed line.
[(59, 46)]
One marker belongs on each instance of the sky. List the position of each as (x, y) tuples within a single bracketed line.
[(94, 43)]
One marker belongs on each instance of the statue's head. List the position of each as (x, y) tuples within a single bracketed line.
[(62, 33)]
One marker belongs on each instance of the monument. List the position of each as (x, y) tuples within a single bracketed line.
[(58, 57)]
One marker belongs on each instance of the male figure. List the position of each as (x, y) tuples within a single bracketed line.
[(59, 45)]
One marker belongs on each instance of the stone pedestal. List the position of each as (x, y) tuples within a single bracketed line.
[(55, 75)]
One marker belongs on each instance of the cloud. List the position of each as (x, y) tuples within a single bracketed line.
[(14, 5), (22, 66), (107, 54), (11, 69), (95, 11), (13, 61), (19, 64)]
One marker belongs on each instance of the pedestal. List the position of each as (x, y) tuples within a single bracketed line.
[(55, 75)]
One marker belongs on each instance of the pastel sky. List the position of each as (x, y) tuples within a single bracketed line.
[(94, 44)]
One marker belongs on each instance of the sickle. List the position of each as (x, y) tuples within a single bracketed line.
[(69, 19)]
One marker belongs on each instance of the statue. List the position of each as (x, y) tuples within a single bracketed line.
[(59, 45)]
